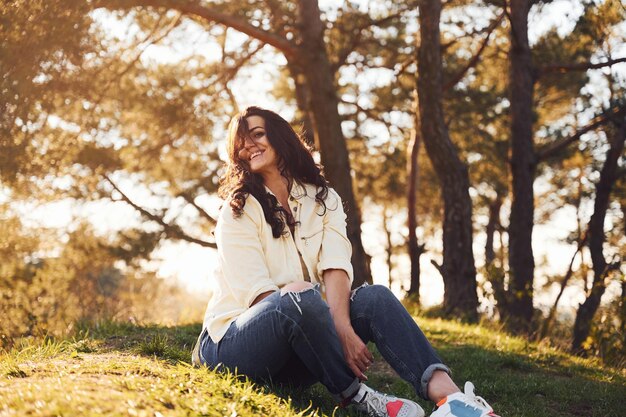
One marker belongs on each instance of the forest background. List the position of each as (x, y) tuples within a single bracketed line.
[(478, 147)]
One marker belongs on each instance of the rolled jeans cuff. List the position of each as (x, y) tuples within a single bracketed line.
[(346, 395), (428, 374)]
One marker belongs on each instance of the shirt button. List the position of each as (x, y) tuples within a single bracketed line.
[(295, 208), (291, 198)]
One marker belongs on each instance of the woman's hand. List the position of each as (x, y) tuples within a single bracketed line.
[(358, 356)]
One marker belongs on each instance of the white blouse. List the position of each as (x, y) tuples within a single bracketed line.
[(251, 261)]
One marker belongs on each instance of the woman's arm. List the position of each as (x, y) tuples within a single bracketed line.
[(357, 355), (338, 297), (237, 239), (336, 271), (336, 249)]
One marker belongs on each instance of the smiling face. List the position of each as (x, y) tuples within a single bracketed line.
[(257, 150)]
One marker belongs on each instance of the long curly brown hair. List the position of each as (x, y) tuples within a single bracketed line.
[(295, 163)]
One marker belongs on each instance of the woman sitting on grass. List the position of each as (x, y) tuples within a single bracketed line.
[(282, 309)]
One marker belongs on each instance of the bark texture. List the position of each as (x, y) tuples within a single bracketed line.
[(596, 237), (302, 100), (523, 166), (458, 269), (316, 67)]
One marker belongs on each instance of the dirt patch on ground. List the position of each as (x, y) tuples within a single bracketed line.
[(382, 368)]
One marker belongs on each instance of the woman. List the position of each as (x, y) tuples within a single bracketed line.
[(282, 245)]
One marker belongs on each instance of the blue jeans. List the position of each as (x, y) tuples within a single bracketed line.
[(291, 338)]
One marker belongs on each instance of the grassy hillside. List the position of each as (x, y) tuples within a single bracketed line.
[(121, 369)]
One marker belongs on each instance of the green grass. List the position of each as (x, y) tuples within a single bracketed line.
[(122, 369)]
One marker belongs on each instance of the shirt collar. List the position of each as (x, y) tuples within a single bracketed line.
[(297, 191)]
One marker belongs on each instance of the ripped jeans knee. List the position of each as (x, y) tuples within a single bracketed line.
[(354, 291), (295, 290), (299, 286)]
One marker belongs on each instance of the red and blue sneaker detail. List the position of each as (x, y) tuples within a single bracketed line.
[(464, 404), (377, 404)]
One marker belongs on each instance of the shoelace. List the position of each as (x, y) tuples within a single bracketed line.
[(481, 401), (377, 403), (478, 403)]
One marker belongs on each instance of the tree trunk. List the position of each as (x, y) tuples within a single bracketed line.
[(495, 273), (302, 100), (319, 75), (389, 249), (622, 310), (492, 224), (608, 176), (458, 269), (415, 249), (523, 165)]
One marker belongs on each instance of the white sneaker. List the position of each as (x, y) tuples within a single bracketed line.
[(465, 404), (377, 404)]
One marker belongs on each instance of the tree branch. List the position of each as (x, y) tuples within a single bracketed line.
[(469, 34), (577, 67), (437, 266), (148, 41), (358, 35), (225, 75), (372, 114), (472, 62), (154, 41), (171, 230), (547, 323), (230, 73), (557, 146), (193, 7), (135, 45), (360, 109), (189, 199), (404, 66)]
